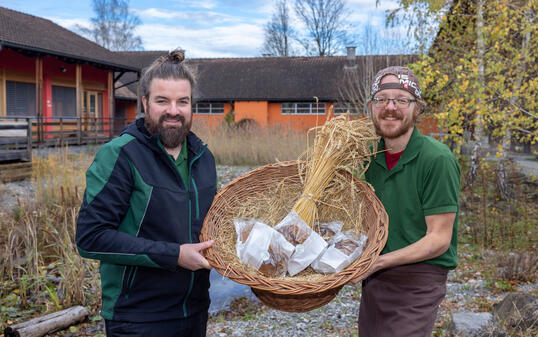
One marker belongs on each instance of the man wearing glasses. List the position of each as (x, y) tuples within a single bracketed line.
[(417, 179)]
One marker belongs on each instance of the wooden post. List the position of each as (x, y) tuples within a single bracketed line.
[(96, 128), (3, 103), (47, 324), (39, 98), (111, 104), (79, 101), (29, 138), (61, 131)]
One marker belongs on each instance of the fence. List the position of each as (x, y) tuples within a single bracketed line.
[(69, 131)]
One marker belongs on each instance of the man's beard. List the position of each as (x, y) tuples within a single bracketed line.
[(401, 130), (170, 136)]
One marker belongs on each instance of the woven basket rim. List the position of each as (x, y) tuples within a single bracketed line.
[(290, 285)]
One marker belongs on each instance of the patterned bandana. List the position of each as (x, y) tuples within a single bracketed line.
[(408, 81)]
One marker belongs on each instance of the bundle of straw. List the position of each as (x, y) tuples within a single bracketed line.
[(341, 143)]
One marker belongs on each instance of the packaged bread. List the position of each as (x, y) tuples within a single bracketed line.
[(344, 249), (276, 262), (308, 244), (266, 250), (329, 229), (349, 243), (242, 229)]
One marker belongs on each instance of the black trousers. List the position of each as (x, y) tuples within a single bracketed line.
[(193, 326)]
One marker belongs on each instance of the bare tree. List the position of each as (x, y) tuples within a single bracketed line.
[(384, 41), (278, 32), (359, 74), (325, 24), (113, 25)]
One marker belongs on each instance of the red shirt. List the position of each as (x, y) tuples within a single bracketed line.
[(391, 159)]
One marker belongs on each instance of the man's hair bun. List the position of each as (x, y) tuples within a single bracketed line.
[(176, 56)]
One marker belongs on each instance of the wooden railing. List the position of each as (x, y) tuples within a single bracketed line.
[(70, 131), (15, 140)]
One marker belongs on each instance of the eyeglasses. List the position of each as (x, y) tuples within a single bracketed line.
[(381, 102)]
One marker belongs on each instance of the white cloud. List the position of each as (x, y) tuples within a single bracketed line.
[(370, 5), (69, 23), (230, 41), (160, 14), (207, 4), (192, 17)]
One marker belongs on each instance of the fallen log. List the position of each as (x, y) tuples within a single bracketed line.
[(41, 326)]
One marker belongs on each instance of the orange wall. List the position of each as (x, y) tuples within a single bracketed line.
[(255, 110), (298, 122), (211, 120), (427, 123)]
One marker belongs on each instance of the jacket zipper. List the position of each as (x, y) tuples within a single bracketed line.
[(185, 313), (130, 280)]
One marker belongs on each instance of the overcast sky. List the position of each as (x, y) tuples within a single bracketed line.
[(204, 28)]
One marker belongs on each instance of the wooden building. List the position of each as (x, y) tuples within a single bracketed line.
[(62, 81), (77, 91), (294, 92)]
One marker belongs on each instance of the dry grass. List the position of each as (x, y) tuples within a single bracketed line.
[(252, 145), (42, 268)]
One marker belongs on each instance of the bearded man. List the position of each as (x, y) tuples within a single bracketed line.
[(417, 179), (147, 193)]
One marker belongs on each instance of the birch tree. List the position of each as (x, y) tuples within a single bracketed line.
[(278, 33), (326, 26), (113, 26), (481, 73)]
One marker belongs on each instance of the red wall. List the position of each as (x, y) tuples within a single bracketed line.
[(15, 61), (17, 65)]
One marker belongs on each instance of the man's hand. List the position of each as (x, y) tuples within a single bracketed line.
[(378, 265), (434, 243), (190, 255)]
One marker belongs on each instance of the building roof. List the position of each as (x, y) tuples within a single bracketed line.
[(33, 35), (271, 78)]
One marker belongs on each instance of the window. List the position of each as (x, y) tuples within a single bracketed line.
[(303, 108), (64, 102), (20, 99), (340, 108), (209, 108)]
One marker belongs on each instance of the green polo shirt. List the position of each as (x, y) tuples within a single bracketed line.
[(182, 161), (424, 181)]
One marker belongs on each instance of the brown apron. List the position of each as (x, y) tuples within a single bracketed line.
[(401, 301)]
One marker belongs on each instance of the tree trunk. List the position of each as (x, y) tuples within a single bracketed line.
[(478, 139), (502, 184), (47, 324)]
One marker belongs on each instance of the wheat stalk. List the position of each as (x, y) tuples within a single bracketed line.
[(341, 143)]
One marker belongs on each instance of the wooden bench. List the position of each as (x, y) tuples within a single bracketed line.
[(15, 140), (15, 149)]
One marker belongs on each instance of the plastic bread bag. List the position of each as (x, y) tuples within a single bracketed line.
[(267, 250), (242, 229), (345, 248), (328, 229), (330, 261), (279, 253), (308, 244)]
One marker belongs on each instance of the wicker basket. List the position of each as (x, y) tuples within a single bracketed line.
[(290, 294)]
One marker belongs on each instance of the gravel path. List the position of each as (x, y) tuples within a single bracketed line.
[(337, 318)]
